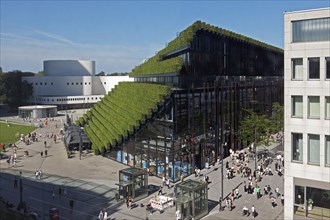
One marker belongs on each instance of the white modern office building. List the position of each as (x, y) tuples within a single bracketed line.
[(71, 84), (307, 113)]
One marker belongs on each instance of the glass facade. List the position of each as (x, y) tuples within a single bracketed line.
[(311, 30), (297, 147), (311, 202)]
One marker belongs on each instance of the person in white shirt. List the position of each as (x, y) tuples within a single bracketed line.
[(253, 211), (178, 215)]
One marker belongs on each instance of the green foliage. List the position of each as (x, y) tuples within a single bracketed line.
[(255, 126), (40, 73), (115, 116), (102, 73), (14, 92), (277, 118), (156, 65), (8, 134)]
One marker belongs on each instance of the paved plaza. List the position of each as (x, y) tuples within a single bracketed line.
[(90, 183)]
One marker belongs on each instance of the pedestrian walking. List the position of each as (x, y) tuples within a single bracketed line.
[(46, 152), (15, 183), (245, 211), (45, 142), (41, 153), (282, 200), (130, 200), (178, 215), (168, 183), (253, 211), (37, 174), (101, 215), (277, 192), (220, 204), (105, 215), (160, 191), (164, 181), (258, 192), (272, 201)]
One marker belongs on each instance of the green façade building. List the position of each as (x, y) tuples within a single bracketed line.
[(166, 120)]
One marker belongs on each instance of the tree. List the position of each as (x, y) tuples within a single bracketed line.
[(277, 118), (255, 127), (102, 73), (15, 91), (2, 88), (40, 73)]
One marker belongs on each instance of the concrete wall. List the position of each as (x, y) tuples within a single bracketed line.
[(306, 174)]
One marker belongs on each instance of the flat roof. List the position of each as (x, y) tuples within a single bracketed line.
[(307, 10), (37, 106)]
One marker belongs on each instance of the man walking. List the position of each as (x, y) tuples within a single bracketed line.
[(220, 204), (253, 211)]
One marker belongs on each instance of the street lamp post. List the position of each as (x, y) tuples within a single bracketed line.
[(20, 188), (255, 148), (222, 156), (80, 143)]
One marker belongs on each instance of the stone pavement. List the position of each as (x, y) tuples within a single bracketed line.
[(97, 172)]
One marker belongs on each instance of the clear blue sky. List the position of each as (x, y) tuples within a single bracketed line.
[(119, 35)]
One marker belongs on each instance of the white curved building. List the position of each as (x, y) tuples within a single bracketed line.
[(71, 84), (69, 68)]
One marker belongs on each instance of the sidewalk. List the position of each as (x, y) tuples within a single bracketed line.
[(93, 173)]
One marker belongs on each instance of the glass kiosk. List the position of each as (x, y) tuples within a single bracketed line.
[(133, 182), (192, 199)]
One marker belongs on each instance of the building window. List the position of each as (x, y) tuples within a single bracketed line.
[(314, 68), (314, 149), (51, 84), (41, 84), (67, 83), (77, 83), (85, 83), (327, 107), (297, 68), (45, 84), (311, 30), (327, 150), (105, 83), (297, 147), (72, 84), (89, 83), (327, 67), (297, 106), (313, 107), (36, 84), (81, 83)]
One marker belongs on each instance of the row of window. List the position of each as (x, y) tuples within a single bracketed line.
[(313, 68), (313, 107), (77, 99), (71, 99), (311, 30), (72, 83), (313, 148), (43, 83)]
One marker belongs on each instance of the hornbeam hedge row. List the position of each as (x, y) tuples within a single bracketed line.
[(113, 118), (156, 65)]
